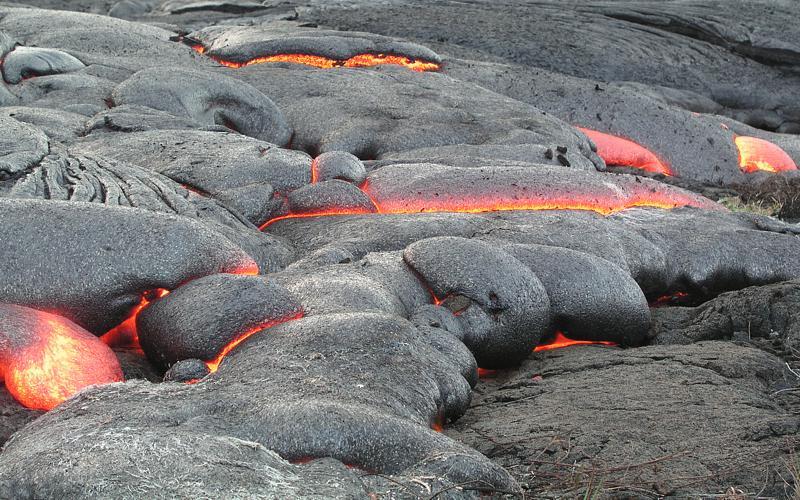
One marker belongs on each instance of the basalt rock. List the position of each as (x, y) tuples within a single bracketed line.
[(208, 99), (247, 174), (91, 262)]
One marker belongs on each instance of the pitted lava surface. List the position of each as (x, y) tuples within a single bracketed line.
[(398, 249)]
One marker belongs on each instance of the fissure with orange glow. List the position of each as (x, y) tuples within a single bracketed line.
[(56, 360), (365, 60), (620, 152), (758, 155), (125, 334), (499, 203), (560, 341), (213, 364)]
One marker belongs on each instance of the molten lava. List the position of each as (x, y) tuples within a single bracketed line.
[(619, 152), (365, 60), (213, 364), (54, 360), (560, 341), (125, 334), (760, 155)]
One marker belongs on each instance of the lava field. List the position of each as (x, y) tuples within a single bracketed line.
[(400, 249)]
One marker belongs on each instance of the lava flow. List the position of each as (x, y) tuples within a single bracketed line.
[(365, 60), (760, 155), (213, 364), (560, 341), (45, 358), (125, 334), (619, 152)]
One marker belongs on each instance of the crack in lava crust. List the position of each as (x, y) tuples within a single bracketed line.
[(213, 365), (365, 60)]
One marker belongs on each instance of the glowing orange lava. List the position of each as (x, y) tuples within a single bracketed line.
[(58, 359), (560, 341), (486, 373), (125, 334), (760, 155), (213, 365), (365, 60), (619, 152)]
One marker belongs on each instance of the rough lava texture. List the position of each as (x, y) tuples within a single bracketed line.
[(347, 249)]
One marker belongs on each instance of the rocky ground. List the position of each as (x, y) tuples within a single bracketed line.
[(324, 238)]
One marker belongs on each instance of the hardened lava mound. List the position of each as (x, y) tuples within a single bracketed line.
[(403, 249)]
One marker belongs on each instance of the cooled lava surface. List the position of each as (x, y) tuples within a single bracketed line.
[(399, 249)]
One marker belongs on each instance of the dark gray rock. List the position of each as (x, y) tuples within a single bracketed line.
[(207, 98), (27, 62), (338, 165), (506, 311), (330, 196), (187, 370), (22, 146), (249, 175), (91, 262), (590, 298), (199, 319), (97, 180)]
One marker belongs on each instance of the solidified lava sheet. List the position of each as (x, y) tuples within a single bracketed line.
[(399, 249)]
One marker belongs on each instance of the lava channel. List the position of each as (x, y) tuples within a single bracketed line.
[(619, 152), (759, 155), (365, 60), (45, 358), (125, 334)]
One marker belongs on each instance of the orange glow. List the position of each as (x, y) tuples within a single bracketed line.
[(357, 61), (125, 334), (486, 373), (59, 359), (314, 173), (760, 155), (213, 365), (666, 300), (619, 152), (514, 201), (322, 213), (560, 341)]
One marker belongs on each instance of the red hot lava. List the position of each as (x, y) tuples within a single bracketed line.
[(760, 155), (364, 60), (619, 152), (560, 341), (56, 359)]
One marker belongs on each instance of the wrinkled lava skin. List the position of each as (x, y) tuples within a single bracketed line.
[(319, 236)]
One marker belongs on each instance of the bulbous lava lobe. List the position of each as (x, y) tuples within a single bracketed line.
[(25, 62), (437, 188), (91, 262), (620, 152), (200, 319), (506, 311), (207, 98), (590, 298), (238, 46), (759, 155), (45, 358)]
